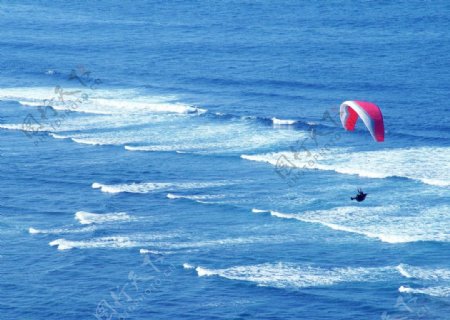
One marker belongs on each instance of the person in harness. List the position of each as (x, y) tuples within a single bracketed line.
[(361, 196)]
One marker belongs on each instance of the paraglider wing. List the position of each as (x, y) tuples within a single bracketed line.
[(369, 113)]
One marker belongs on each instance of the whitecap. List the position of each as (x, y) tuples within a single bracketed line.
[(147, 251), (283, 122), (437, 291), (259, 211), (32, 230), (146, 187), (289, 275), (96, 218), (430, 165), (104, 242), (99, 101), (428, 224), (196, 198), (422, 273)]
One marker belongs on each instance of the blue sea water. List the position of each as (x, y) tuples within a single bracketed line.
[(185, 160)]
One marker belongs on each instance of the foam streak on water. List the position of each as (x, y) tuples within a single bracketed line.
[(430, 165), (147, 187), (427, 224), (95, 218), (288, 275)]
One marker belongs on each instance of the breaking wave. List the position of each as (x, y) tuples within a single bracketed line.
[(289, 275), (96, 218), (61, 230), (100, 101), (423, 273), (428, 224), (430, 165), (188, 266), (259, 211), (283, 122), (434, 282), (147, 187), (128, 241), (196, 198), (147, 251), (105, 242), (438, 291)]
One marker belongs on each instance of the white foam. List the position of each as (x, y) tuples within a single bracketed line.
[(105, 242), (188, 266), (197, 198), (202, 272), (171, 148), (90, 218), (21, 127), (38, 127), (285, 159), (58, 136), (131, 188), (259, 211), (114, 138), (104, 122), (91, 142), (147, 251), (173, 133), (27, 93), (31, 103), (438, 291), (32, 230), (283, 122), (426, 224), (225, 242), (140, 104), (116, 106), (150, 148), (147, 187), (288, 275), (101, 101), (428, 274), (35, 127), (156, 241), (430, 165), (204, 137), (403, 272), (436, 182)]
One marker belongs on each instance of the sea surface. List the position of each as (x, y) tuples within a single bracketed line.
[(185, 160)]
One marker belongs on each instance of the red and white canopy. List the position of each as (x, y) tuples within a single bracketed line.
[(369, 113)]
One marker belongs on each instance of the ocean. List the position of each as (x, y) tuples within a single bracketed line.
[(185, 160)]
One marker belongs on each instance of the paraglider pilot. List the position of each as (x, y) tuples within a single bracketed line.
[(361, 196)]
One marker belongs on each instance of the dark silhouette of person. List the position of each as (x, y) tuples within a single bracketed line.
[(361, 196)]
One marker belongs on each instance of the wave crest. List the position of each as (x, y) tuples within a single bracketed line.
[(96, 218), (429, 165), (288, 275)]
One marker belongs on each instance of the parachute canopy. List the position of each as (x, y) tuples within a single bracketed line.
[(369, 113)]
